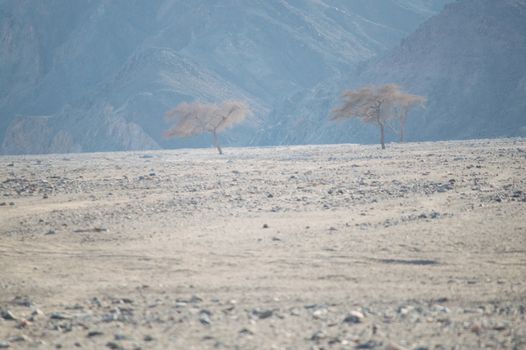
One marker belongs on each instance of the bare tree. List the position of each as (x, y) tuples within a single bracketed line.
[(370, 104), (197, 117), (404, 103)]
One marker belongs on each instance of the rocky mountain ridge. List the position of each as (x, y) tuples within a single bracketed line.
[(468, 61), (115, 60)]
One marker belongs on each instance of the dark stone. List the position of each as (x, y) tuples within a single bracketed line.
[(262, 314), (371, 344), (246, 331), (59, 316), (7, 315), (114, 346), (94, 334), (352, 319), (22, 301)]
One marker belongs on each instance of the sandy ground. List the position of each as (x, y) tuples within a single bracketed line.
[(420, 246)]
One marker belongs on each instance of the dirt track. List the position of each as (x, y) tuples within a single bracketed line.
[(422, 245)]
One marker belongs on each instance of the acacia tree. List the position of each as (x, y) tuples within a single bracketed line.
[(197, 117), (376, 105), (370, 104), (404, 103)]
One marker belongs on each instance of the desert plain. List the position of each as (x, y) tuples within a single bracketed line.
[(419, 246)]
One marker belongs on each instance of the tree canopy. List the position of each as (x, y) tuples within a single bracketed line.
[(197, 117), (376, 105)]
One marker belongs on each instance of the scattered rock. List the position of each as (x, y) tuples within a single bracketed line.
[(262, 314), (50, 232), (246, 331), (114, 346), (22, 301), (354, 317), (295, 311), (500, 327), (393, 346), (371, 344), (23, 323), (35, 314), (75, 307), (334, 340), (405, 310), (122, 301), (476, 328), (148, 338), (7, 315), (59, 316), (265, 225), (317, 336), (94, 229), (121, 337), (204, 317), (4, 344), (94, 334), (320, 313), (445, 187), (195, 299), (18, 339), (440, 308)]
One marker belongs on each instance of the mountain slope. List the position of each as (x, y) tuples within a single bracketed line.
[(468, 61), (262, 51)]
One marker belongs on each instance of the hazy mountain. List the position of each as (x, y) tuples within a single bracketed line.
[(468, 61), (85, 64)]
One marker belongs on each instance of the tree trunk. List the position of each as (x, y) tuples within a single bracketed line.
[(216, 143), (382, 135)]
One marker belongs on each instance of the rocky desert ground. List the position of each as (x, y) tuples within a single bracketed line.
[(420, 246)]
